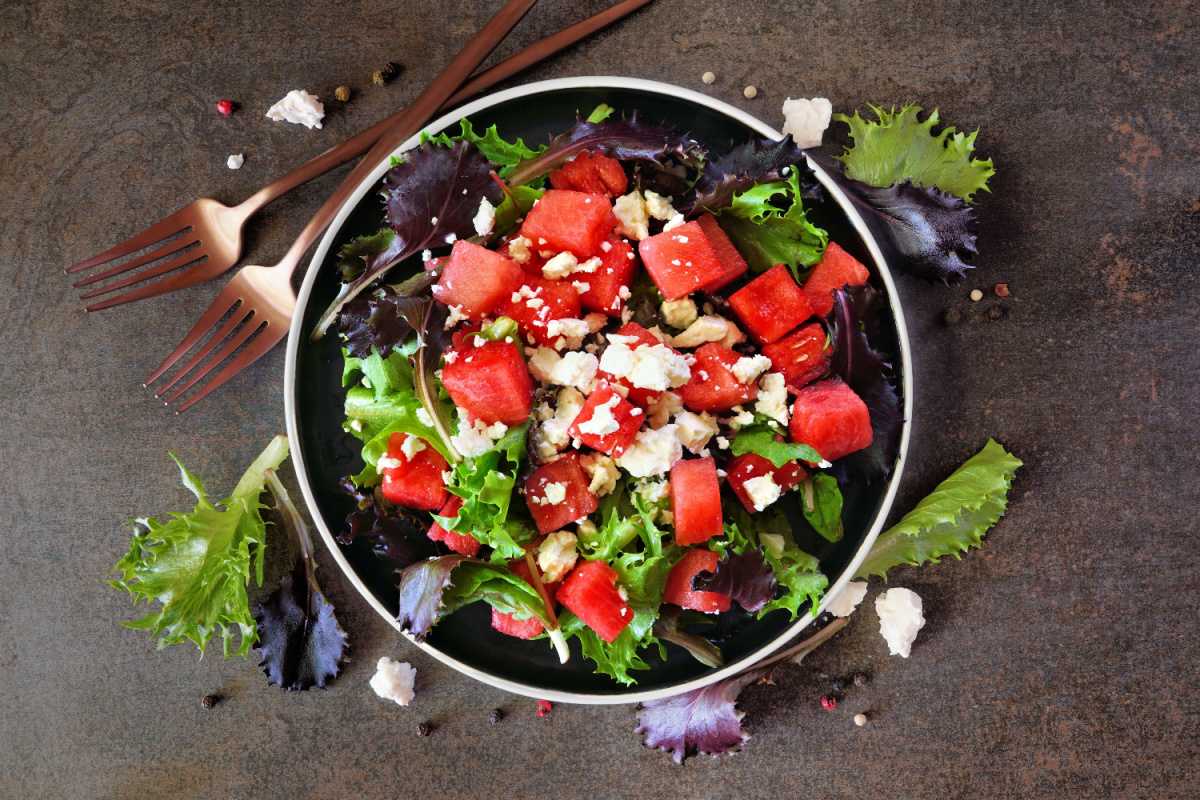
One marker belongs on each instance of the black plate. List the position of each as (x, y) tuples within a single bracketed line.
[(329, 453)]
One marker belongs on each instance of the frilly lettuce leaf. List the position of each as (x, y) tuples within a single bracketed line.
[(618, 658), (421, 588), (394, 533), (495, 149), (952, 519), (432, 589), (901, 148), (769, 231), (744, 166), (198, 564), (797, 572)]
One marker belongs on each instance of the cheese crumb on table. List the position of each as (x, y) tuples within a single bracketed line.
[(806, 120), (300, 107), (845, 601), (393, 680), (235, 161), (899, 619)]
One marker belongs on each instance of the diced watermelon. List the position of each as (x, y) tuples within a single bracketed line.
[(618, 264), (802, 356), (522, 628), (636, 394), (463, 543), (577, 503), (713, 386), (696, 501), (680, 260), (476, 280), (464, 334), (829, 417), (435, 262), (625, 416), (751, 465), (417, 482), (590, 592), (591, 172), (567, 221), (552, 300), (491, 382), (837, 269), (733, 266), (678, 589), (770, 305)]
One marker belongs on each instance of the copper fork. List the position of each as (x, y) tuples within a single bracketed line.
[(216, 229)]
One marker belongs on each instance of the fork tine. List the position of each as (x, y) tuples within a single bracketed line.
[(229, 327), (252, 327), (189, 277), (221, 306), (160, 269), (270, 336), (162, 252), (156, 232)]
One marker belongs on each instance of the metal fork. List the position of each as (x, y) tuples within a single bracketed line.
[(261, 299), (216, 229)]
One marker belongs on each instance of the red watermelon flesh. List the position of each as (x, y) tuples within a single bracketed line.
[(713, 386), (733, 266), (491, 382), (680, 260), (802, 356), (770, 305), (625, 415), (837, 269), (579, 500), (569, 221), (829, 417), (590, 592), (590, 172), (696, 501), (463, 543), (678, 590), (476, 280), (751, 465), (551, 300), (618, 265), (417, 482)]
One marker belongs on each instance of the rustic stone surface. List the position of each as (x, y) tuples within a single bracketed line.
[(1058, 660)]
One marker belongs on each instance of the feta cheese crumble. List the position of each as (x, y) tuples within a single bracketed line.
[(424, 417), (653, 452), (709, 328), (602, 422), (806, 120), (485, 218), (550, 434), (679, 313), (300, 107), (748, 368), (603, 473), (552, 494), (557, 555), (387, 462), (477, 439), (572, 330), (694, 430), (632, 216), (560, 266), (773, 542), (900, 618), (673, 223), (393, 680), (664, 406), (412, 445), (658, 206), (772, 398), (235, 161), (653, 367), (763, 491), (845, 601), (518, 249), (572, 369)]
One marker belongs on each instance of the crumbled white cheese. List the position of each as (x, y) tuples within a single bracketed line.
[(664, 406), (581, 286), (653, 367), (673, 223), (300, 107), (560, 266), (518, 249), (557, 555), (694, 430), (591, 265), (748, 368), (658, 206), (477, 439), (485, 218), (552, 494), (773, 542), (387, 462), (710, 328), (595, 321), (572, 330), (573, 369), (845, 601), (356, 425), (235, 161), (602, 422), (762, 491), (772, 398), (679, 313), (550, 434), (740, 418), (603, 473), (412, 445), (586, 528), (653, 452), (806, 120), (632, 216), (899, 619), (722, 443), (424, 417), (450, 238), (393, 680), (456, 316)]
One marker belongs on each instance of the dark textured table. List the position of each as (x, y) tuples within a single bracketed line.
[(1057, 660)]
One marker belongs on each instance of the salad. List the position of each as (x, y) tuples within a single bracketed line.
[(625, 358)]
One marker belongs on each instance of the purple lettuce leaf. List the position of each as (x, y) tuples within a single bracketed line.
[(758, 160), (704, 721), (744, 577), (299, 638), (398, 537), (627, 139), (383, 319), (421, 588), (430, 196), (364, 253)]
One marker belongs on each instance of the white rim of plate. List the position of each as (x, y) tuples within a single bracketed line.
[(295, 335)]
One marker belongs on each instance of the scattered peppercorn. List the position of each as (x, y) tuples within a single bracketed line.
[(383, 76), (708, 77), (860, 719), (543, 708), (860, 680), (496, 715), (828, 702), (424, 729), (976, 295), (377, 78), (750, 92), (209, 701), (951, 316), (342, 93), (225, 107), (1001, 290), (839, 686)]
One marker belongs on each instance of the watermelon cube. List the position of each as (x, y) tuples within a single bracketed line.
[(678, 589), (837, 269), (618, 265), (417, 481), (829, 417), (594, 173), (680, 260), (538, 301), (463, 543), (491, 382), (733, 266), (696, 501), (608, 422), (476, 280), (770, 305), (522, 628), (568, 221), (751, 465), (713, 386), (802, 356), (590, 592), (557, 493)]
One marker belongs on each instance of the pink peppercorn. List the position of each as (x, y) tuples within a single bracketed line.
[(225, 107), (829, 702), (543, 708)]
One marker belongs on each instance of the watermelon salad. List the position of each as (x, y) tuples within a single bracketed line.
[(625, 370)]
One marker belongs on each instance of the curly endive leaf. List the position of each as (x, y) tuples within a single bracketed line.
[(952, 519), (301, 643), (767, 235), (901, 148), (199, 563), (421, 588)]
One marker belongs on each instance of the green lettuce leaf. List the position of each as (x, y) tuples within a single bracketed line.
[(620, 524), (765, 235), (899, 147), (198, 564), (395, 413), (797, 571), (952, 519), (503, 153), (821, 504), (617, 658), (760, 439), (515, 206)]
